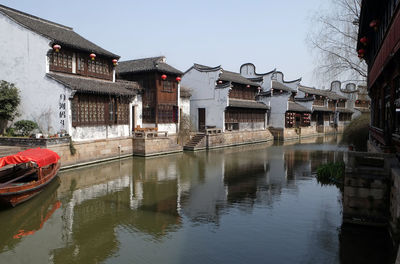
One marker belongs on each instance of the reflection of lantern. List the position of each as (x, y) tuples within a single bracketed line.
[(115, 62), (56, 48), (374, 24), (361, 53), (92, 56), (163, 77), (364, 40), (178, 79)]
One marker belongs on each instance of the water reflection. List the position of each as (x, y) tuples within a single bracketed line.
[(243, 204)]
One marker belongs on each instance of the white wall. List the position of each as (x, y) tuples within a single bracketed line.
[(205, 95), (137, 104), (185, 105), (279, 106), (23, 56)]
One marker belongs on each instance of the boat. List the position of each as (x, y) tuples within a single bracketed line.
[(25, 174)]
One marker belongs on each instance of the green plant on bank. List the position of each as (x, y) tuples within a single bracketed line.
[(72, 148), (9, 102), (356, 133), (25, 127), (331, 174), (10, 132)]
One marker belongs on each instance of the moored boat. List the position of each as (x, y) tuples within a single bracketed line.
[(26, 173)]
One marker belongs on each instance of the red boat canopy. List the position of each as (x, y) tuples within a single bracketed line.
[(42, 157)]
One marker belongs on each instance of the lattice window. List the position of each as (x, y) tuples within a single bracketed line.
[(60, 61)]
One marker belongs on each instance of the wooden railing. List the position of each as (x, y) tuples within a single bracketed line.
[(377, 134)]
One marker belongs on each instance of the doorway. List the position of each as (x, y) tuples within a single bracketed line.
[(202, 119)]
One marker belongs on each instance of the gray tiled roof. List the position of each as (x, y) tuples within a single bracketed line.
[(295, 107), (363, 109), (146, 65), (281, 86), (247, 104), (235, 78), (321, 92), (57, 33), (89, 85), (344, 110), (322, 109)]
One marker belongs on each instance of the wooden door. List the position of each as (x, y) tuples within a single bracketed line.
[(202, 119)]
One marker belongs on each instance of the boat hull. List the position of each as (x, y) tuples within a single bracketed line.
[(12, 195)]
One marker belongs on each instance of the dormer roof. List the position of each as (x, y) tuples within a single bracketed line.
[(235, 78), (57, 33), (146, 65)]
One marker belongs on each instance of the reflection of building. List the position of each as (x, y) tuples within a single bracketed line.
[(378, 45)]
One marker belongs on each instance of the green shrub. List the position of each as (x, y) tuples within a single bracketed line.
[(356, 133), (10, 132), (25, 127), (331, 173)]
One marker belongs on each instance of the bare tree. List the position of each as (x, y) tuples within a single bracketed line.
[(333, 40)]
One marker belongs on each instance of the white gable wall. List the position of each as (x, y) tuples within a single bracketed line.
[(23, 56), (205, 95)]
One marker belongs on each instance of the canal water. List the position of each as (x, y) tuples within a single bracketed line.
[(252, 204)]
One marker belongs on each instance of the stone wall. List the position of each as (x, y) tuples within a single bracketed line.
[(308, 131), (155, 146), (237, 138), (366, 189), (32, 142), (293, 133), (92, 151), (395, 201)]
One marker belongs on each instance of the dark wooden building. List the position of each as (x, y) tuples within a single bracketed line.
[(160, 83), (378, 45)]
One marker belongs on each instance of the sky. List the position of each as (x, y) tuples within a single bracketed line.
[(269, 34)]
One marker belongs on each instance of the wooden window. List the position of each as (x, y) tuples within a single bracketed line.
[(149, 114), (167, 114), (89, 110), (60, 61), (341, 103), (167, 86)]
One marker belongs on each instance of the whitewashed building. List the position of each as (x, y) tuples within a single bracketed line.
[(288, 111), (224, 100), (67, 83)]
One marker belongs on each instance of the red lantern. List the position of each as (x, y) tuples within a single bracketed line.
[(163, 77), (361, 53), (364, 40), (219, 82), (115, 62), (92, 56), (374, 24), (280, 91), (178, 79), (56, 47), (248, 86)]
